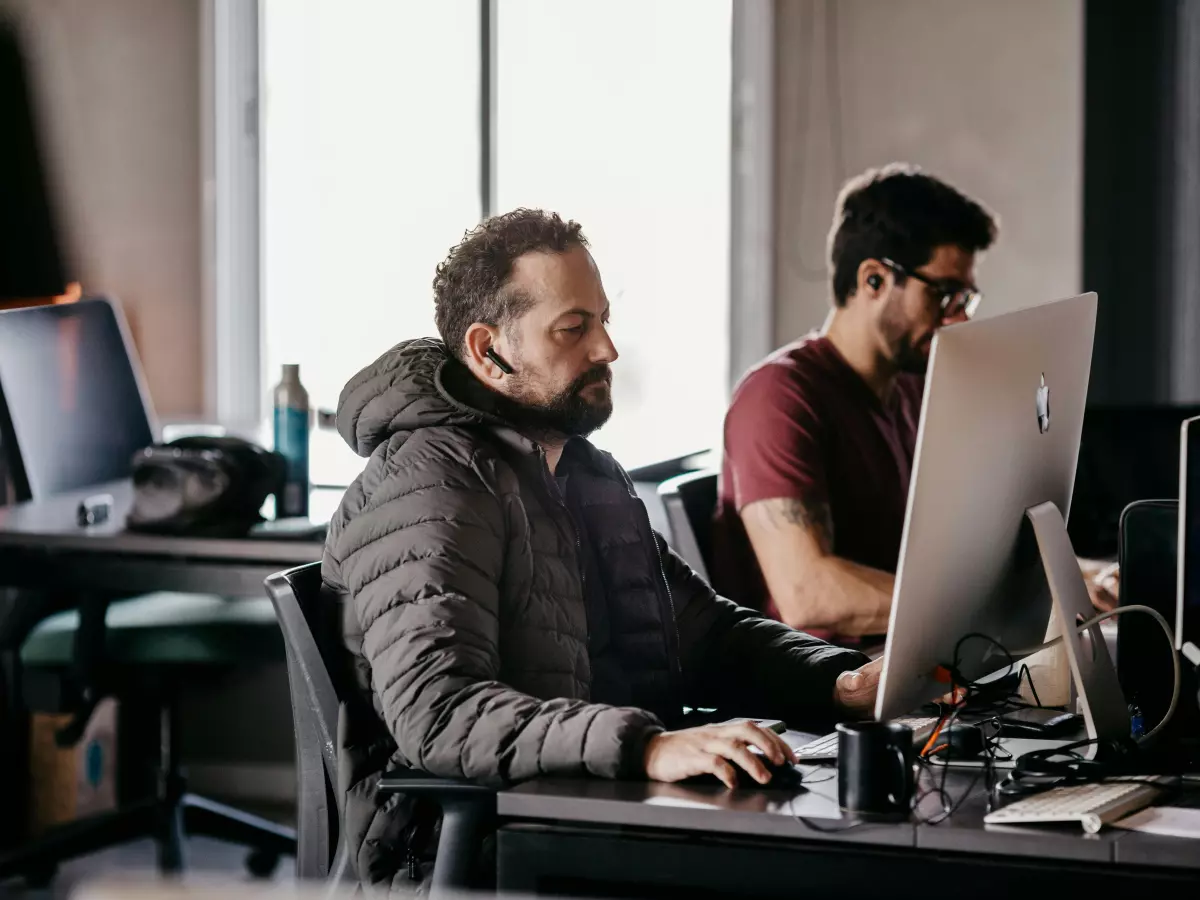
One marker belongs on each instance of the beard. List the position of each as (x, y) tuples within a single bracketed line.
[(567, 413), (911, 357), (909, 354)]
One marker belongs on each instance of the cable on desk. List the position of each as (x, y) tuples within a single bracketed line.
[(1027, 675), (927, 759), (1121, 610)]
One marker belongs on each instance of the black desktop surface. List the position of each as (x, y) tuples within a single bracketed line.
[(71, 409)]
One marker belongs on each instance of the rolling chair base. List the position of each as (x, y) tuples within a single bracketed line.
[(168, 817), (168, 821)]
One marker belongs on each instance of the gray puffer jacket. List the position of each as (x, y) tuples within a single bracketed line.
[(468, 634)]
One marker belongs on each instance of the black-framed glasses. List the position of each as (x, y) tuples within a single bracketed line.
[(955, 297)]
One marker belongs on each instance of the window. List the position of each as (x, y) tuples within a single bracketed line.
[(613, 112), (616, 113), (370, 172)]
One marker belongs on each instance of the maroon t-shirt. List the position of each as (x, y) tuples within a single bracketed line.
[(804, 424)]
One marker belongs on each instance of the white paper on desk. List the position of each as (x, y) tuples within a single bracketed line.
[(1172, 821)]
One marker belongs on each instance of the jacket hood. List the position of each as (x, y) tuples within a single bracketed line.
[(416, 384)]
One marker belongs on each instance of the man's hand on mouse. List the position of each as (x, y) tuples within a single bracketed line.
[(714, 750)]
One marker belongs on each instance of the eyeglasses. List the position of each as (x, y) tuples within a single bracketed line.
[(956, 298)]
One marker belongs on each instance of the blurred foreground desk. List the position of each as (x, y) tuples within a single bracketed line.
[(43, 547), (627, 839)]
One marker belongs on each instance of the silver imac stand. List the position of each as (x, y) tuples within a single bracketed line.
[(1093, 674)]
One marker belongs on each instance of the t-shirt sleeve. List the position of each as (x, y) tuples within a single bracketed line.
[(774, 440)]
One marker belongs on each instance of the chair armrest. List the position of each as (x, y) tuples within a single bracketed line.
[(468, 813), (421, 784)]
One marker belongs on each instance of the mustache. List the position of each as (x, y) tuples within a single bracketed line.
[(594, 375)]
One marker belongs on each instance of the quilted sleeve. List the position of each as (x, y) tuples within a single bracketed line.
[(423, 563), (738, 660)]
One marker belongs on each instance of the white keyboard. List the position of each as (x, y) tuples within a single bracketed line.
[(1091, 805), (827, 747)]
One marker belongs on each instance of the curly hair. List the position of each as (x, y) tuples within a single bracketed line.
[(471, 284), (901, 213)]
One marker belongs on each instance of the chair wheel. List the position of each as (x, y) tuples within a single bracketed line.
[(40, 876), (262, 863)]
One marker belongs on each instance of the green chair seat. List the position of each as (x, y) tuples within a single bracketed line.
[(167, 628)]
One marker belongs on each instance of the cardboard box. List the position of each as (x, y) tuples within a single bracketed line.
[(73, 782)]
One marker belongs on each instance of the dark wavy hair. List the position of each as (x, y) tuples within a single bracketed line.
[(471, 284), (901, 213)]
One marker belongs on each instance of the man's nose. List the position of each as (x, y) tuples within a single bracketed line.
[(604, 351)]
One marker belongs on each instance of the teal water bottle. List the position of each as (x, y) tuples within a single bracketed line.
[(291, 442)]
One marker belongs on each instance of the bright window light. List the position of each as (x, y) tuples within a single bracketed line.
[(616, 113), (613, 112), (370, 173)]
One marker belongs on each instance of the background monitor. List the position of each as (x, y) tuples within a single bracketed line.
[(73, 410), (1126, 453)]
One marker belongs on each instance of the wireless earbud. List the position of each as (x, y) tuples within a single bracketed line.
[(495, 357), (875, 281)]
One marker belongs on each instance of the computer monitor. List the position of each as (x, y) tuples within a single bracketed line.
[(1187, 609), (998, 435), (73, 408)]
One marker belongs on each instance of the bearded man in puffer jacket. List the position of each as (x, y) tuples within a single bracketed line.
[(510, 611)]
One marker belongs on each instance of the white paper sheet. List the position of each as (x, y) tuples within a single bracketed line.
[(1172, 821)]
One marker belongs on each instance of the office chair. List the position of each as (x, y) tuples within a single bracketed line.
[(309, 613), (690, 501), (64, 654), (155, 645), (658, 472)]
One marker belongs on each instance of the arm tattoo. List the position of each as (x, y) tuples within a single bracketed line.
[(813, 517)]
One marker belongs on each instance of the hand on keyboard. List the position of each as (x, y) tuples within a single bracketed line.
[(854, 691)]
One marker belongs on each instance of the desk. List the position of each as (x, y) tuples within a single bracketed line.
[(698, 840), (43, 547)]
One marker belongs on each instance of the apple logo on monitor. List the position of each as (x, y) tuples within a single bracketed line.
[(1043, 406)]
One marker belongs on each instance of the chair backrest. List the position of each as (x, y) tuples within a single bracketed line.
[(690, 501), (309, 615)]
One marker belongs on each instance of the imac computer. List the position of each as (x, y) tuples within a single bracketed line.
[(985, 549)]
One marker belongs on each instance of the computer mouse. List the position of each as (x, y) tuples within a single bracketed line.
[(784, 776), (787, 776), (959, 742)]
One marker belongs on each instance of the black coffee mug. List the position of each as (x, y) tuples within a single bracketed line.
[(875, 768)]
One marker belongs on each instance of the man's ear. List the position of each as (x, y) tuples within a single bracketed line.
[(478, 340), (874, 279)]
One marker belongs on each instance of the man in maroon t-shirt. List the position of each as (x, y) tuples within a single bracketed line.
[(820, 436)]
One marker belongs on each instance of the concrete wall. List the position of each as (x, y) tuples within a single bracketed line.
[(117, 83), (986, 94)]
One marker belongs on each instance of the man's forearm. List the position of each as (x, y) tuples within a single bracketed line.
[(838, 595), (812, 587)]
